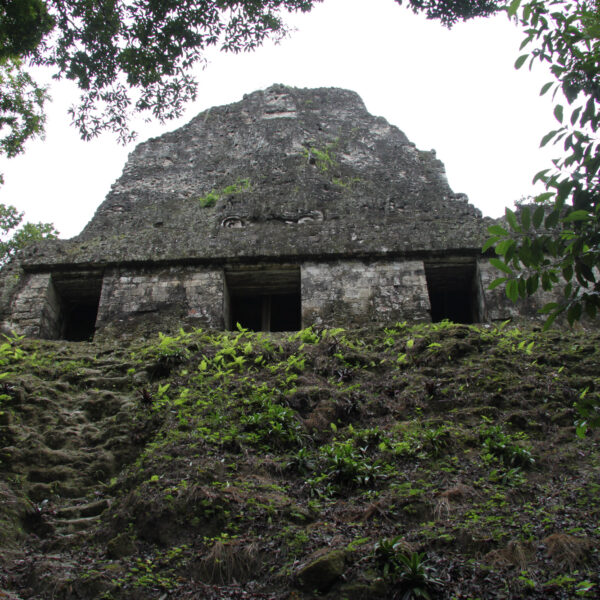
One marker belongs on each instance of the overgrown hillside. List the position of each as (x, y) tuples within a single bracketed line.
[(439, 459)]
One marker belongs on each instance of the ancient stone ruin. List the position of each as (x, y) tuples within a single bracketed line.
[(290, 208)]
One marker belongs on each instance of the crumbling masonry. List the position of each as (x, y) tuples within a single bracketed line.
[(290, 208)]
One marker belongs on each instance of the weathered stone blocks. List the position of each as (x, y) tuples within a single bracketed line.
[(361, 292), (298, 180), (194, 294)]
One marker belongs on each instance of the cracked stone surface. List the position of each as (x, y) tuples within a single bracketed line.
[(292, 173)]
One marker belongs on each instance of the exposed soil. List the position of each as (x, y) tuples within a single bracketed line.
[(337, 464)]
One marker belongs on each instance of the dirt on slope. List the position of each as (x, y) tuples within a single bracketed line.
[(435, 460)]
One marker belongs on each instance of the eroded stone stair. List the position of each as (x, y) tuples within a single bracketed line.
[(71, 428), (72, 522)]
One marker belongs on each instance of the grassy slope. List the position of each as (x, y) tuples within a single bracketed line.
[(211, 465)]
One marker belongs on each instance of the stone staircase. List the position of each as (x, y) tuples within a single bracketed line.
[(71, 429), (72, 522)]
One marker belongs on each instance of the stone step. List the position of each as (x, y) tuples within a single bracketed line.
[(114, 365), (70, 490), (107, 383), (51, 474), (6, 595), (66, 526), (85, 509), (96, 378), (63, 542)]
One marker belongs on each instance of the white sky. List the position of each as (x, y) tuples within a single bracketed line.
[(455, 91)]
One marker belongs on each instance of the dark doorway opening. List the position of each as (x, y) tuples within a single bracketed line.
[(80, 322), (79, 295), (263, 299), (453, 288)]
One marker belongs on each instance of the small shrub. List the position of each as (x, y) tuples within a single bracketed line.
[(407, 569), (415, 579), (241, 185), (502, 446), (209, 200)]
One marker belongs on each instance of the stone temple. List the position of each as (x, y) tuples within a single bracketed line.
[(289, 208)]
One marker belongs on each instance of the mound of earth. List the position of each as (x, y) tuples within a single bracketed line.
[(435, 459)]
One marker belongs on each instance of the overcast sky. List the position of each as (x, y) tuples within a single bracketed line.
[(452, 90)]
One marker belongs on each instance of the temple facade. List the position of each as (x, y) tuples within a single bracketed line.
[(289, 208)]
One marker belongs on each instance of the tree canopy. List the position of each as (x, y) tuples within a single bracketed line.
[(556, 241), (14, 234)]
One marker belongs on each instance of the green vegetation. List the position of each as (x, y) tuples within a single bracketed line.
[(556, 240), (323, 159), (14, 234), (280, 462), (326, 162), (241, 185)]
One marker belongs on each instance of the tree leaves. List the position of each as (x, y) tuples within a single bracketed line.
[(497, 282), (538, 216), (129, 56), (501, 266), (548, 137), (512, 219), (450, 12), (512, 289), (577, 215), (22, 105), (513, 8), (520, 61), (525, 217), (14, 235), (558, 113), (497, 230)]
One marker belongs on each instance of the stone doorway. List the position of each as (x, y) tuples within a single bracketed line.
[(78, 296), (454, 290), (263, 299)]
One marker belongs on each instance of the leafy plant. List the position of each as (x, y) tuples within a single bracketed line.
[(170, 351), (436, 440), (409, 570), (415, 579), (275, 425), (343, 464), (208, 201), (513, 477), (387, 553), (503, 446), (588, 407), (323, 159), (556, 240), (302, 461), (308, 336)]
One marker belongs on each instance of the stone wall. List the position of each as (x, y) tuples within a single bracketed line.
[(355, 292), (36, 309), (249, 181), (340, 293), (184, 295)]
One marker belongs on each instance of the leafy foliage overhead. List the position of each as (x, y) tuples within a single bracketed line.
[(450, 12), (131, 56), (557, 241), (21, 107), (23, 24)]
